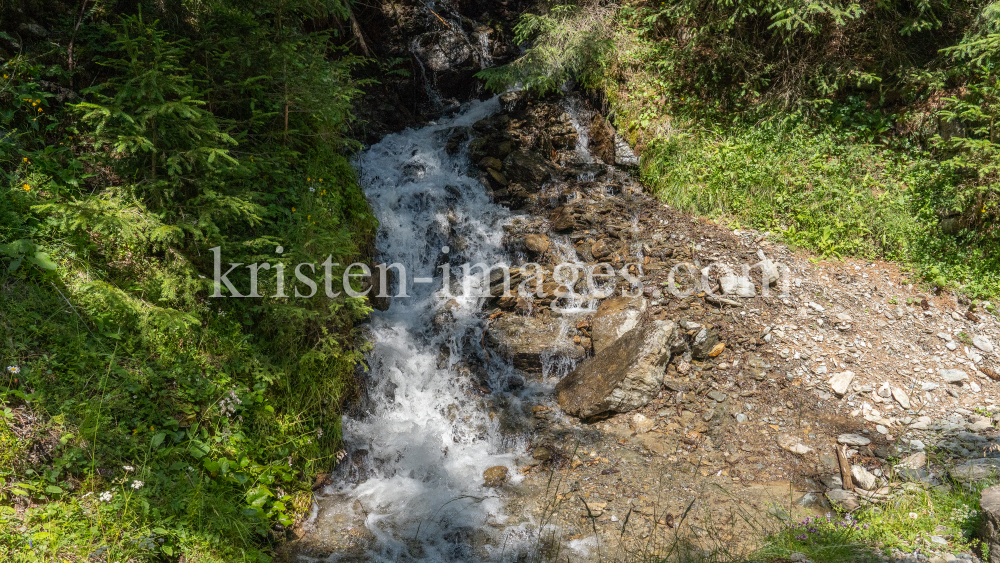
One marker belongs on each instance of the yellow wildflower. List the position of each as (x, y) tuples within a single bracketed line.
[(27, 187)]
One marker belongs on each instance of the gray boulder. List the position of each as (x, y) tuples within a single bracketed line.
[(976, 470), (615, 317), (622, 377)]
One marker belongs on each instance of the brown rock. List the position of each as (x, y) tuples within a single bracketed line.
[(602, 139), (537, 244), (601, 250), (615, 317), (622, 377), (495, 476), (562, 219), (490, 163)]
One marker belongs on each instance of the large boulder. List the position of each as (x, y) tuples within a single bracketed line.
[(615, 317), (530, 341), (989, 527), (622, 377)]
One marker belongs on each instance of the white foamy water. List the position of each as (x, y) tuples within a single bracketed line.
[(428, 434)]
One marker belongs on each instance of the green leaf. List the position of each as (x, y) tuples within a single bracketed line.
[(157, 439), (14, 265), (54, 490), (42, 260), (169, 551)]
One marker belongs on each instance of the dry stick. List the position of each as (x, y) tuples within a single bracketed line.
[(437, 16), (845, 468)]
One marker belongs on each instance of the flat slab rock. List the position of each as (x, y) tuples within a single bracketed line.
[(529, 341), (977, 470), (622, 377)]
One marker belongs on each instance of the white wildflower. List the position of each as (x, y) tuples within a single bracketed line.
[(137, 485), (128, 468), (105, 496), (14, 370)]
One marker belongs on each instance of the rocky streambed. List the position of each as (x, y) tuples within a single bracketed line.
[(676, 397)]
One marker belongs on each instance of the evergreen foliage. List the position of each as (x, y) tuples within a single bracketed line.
[(863, 128), (134, 138)]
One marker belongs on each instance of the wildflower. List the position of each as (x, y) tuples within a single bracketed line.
[(137, 485), (312, 189), (105, 496), (27, 187), (14, 370), (308, 179), (293, 210), (26, 159), (128, 468)]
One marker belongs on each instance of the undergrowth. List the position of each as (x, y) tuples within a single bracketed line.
[(140, 418), (850, 128)]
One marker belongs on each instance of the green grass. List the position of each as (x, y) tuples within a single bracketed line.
[(819, 189)]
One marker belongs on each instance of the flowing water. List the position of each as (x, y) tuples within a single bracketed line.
[(427, 437)]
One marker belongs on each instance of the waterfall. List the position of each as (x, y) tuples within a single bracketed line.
[(428, 436)]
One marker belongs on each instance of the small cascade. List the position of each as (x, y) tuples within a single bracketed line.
[(421, 449)]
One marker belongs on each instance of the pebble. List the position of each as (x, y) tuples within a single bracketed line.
[(881, 429), (983, 344), (953, 375)]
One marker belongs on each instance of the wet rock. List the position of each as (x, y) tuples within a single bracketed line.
[(563, 219), (526, 167), (989, 527), (615, 317), (514, 101), (602, 139), (542, 453), (624, 156), (601, 250), (490, 163), (845, 500), (527, 340), (449, 61), (623, 376), (495, 476), (537, 244)]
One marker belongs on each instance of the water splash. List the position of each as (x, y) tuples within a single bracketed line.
[(428, 437)]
